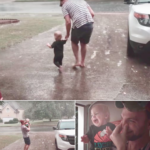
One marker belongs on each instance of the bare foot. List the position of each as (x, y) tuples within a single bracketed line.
[(75, 65), (82, 65)]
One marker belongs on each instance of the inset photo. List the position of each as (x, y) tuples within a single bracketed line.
[(37, 125), (110, 125)]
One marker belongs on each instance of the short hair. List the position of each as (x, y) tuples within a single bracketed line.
[(22, 122), (103, 108), (58, 34), (27, 119)]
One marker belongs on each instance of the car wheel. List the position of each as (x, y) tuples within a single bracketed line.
[(56, 145), (130, 52)]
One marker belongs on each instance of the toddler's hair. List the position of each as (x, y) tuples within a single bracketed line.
[(103, 108), (58, 35), (27, 119)]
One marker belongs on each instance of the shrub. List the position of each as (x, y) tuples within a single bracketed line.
[(16, 120), (1, 120)]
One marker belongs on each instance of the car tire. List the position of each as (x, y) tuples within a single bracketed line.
[(56, 145), (130, 52)]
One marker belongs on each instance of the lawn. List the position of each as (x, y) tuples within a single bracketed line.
[(29, 26), (34, 123), (5, 140)]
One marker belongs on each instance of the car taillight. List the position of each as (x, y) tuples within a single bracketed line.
[(63, 137), (143, 19)]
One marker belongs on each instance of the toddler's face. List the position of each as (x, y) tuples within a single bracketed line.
[(97, 116)]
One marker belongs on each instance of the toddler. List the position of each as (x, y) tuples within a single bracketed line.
[(27, 122), (97, 134), (58, 49)]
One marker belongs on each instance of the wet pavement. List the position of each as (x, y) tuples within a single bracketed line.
[(53, 7), (27, 71), (39, 141)]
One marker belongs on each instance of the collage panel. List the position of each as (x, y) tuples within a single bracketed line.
[(73, 74), (112, 125), (29, 31), (37, 125)]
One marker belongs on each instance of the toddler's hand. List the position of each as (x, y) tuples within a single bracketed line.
[(48, 45), (108, 131), (85, 139)]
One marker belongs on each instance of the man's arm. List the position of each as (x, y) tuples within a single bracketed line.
[(91, 11), (68, 26), (26, 128)]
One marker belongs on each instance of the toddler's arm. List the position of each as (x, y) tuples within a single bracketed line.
[(85, 139), (49, 45)]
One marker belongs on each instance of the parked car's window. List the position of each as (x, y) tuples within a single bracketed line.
[(58, 126), (67, 125), (143, 1)]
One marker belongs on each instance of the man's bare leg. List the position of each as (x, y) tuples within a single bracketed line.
[(83, 54), (27, 147), (75, 49)]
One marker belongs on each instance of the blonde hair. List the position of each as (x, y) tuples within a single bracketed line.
[(104, 109), (58, 35), (27, 119)]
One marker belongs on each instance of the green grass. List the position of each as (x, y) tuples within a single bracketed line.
[(36, 0), (5, 140), (34, 123), (29, 26)]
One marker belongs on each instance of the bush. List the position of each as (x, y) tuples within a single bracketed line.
[(15, 120), (1, 120)]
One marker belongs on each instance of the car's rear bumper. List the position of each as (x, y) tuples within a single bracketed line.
[(139, 47), (64, 145)]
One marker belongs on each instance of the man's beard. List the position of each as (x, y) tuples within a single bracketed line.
[(134, 137)]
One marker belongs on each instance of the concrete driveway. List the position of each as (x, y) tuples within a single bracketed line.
[(39, 141)]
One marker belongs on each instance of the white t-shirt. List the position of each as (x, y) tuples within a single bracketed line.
[(78, 12)]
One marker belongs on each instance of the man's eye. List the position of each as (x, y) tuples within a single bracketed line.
[(131, 121)]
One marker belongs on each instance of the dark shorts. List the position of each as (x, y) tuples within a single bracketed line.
[(27, 141), (82, 34)]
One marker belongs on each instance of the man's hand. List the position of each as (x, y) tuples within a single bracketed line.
[(119, 137), (85, 139)]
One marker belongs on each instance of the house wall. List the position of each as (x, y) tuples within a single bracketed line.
[(8, 113), (20, 115)]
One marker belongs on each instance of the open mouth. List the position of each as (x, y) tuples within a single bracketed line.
[(95, 121)]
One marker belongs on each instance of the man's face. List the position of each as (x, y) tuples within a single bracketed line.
[(97, 116), (137, 123)]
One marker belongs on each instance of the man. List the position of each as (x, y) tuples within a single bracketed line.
[(133, 131), (81, 15), (25, 132)]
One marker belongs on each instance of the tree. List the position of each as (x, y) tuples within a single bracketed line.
[(49, 110), (1, 102)]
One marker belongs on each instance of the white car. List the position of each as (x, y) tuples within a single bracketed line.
[(139, 26), (65, 134)]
